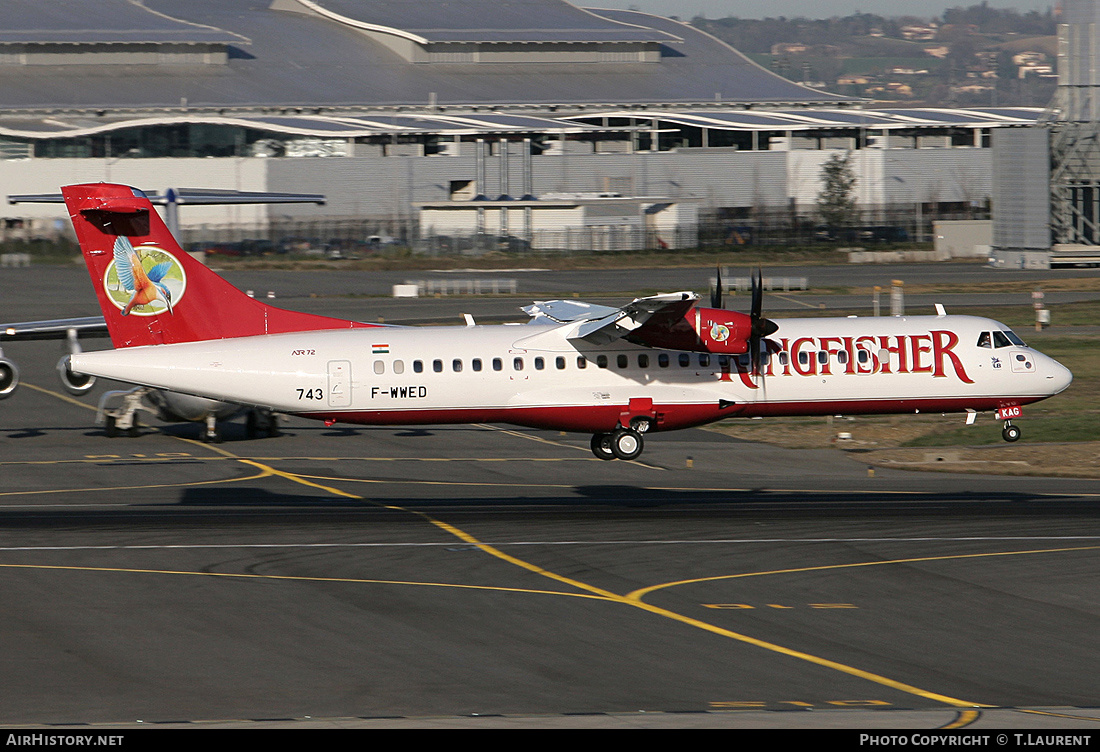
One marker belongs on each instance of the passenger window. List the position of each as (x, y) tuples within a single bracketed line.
[(863, 356), (437, 366), (984, 340), (662, 360), (517, 364), (379, 366), (560, 363), (399, 366), (498, 364), (476, 364), (685, 360), (704, 361), (643, 361), (456, 365), (822, 357), (804, 358), (784, 358), (581, 362), (842, 357), (1000, 340), (418, 366), (539, 364), (601, 361), (621, 361)]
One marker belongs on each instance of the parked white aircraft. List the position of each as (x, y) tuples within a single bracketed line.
[(658, 363), (118, 409)]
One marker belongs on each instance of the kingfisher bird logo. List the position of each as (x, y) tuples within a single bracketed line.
[(719, 332), (143, 281)]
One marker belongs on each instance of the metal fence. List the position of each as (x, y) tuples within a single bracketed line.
[(891, 224), (715, 230)]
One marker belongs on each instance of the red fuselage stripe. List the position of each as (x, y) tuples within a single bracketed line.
[(594, 418)]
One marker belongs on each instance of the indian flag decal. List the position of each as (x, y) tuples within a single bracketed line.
[(380, 348)]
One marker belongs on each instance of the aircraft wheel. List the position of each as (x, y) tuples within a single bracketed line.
[(212, 437), (134, 430), (626, 444), (601, 446), (110, 427), (261, 424), (1011, 433)]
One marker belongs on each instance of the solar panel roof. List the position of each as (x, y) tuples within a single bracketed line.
[(287, 60), (488, 20), (102, 22)]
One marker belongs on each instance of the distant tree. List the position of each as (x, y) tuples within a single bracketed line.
[(836, 203)]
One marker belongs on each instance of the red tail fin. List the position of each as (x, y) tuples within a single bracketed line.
[(150, 290)]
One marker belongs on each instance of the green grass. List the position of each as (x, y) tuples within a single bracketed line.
[(1073, 415), (1072, 427)]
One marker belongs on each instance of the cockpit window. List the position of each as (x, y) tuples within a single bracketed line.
[(999, 339)]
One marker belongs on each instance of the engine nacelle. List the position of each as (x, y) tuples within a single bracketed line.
[(9, 378), (722, 331), (73, 383), (710, 330)]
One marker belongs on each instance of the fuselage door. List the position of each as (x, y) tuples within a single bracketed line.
[(339, 383)]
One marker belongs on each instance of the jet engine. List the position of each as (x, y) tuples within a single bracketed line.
[(9, 377), (73, 383)]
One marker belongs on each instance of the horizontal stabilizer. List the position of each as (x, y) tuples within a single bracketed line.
[(89, 326)]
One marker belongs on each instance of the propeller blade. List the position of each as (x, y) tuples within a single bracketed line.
[(757, 294), (761, 327), (716, 293)]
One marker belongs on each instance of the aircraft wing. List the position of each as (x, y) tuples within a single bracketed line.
[(601, 325), (88, 326)]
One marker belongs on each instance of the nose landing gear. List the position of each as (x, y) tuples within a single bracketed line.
[(1010, 432)]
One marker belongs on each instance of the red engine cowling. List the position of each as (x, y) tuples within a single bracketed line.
[(722, 331), (712, 330)]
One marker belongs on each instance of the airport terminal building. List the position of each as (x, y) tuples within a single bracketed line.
[(533, 120)]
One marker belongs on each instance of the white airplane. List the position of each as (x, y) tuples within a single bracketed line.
[(658, 363), (118, 409)]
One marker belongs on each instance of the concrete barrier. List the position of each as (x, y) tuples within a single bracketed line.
[(464, 286), (15, 259), (771, 284)]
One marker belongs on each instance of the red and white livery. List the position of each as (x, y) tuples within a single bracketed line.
[(655, 364)]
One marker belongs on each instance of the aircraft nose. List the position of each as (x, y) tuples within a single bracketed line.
[(1058, 377)]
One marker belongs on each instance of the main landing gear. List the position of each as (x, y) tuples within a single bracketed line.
[(622, 443)]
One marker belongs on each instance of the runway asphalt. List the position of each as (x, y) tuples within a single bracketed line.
[(486, 576)]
